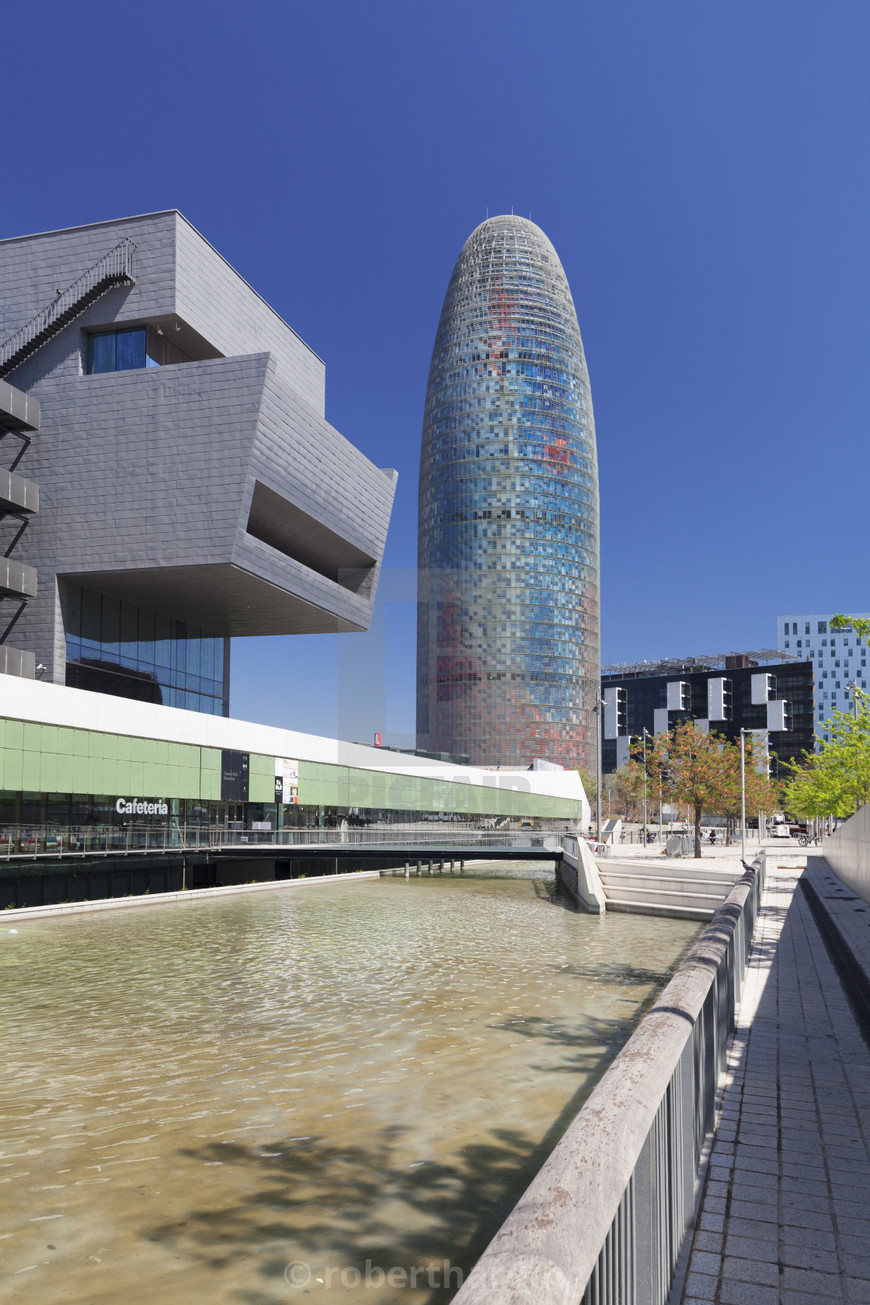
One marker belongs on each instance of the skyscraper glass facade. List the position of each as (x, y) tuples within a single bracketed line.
[(508, 646)]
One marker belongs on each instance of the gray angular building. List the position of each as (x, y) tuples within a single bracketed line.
[(168, 477), (508, 641)]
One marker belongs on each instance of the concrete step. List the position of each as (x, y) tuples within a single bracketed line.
[(679, 896), (671, 870), (671, 911), (667, 883)]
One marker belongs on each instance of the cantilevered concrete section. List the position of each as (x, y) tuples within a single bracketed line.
[(184, 460)]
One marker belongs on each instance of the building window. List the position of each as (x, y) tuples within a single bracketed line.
[(129, 349), (823, 627), (786, 643), (115, 647)]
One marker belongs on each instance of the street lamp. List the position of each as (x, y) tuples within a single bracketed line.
[(743, 793), (646, 735), (599, 705)]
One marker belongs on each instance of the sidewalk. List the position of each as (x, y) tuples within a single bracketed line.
[(785, 1217)]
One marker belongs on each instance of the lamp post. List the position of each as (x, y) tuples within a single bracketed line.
[(646, 735), (743, 794), (600, 704)]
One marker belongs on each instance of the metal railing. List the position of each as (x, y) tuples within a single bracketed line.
[(604, 1220), (55, 840), (114, 268)]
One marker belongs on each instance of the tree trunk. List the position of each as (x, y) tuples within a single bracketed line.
[(698, 814)]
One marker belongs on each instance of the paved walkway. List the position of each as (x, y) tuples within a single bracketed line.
[(785, 1218)]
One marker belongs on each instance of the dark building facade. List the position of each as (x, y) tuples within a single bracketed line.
[(758, 691), (508, 656)]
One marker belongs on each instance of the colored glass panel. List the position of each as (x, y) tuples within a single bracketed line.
[(508, 628)]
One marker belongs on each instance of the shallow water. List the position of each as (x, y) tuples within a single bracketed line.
[(347, 1080)]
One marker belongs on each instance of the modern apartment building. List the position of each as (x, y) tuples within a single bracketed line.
[(168, 476), (762, 691), (838, 659), (508, 641)]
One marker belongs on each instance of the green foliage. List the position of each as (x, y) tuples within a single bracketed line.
[(625, 791), (702, 769), (836, 779), (590, 785), (856, 623)]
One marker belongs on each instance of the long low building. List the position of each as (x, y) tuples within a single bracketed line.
[(82, 770)]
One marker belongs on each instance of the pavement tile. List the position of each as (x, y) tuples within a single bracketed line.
[(851, 1209), (755, 1211), (748, 1293), (757, 1181), (705, 1262), (801, 1298), (765, 1232), (810, 1234), (824, 1284), (805, 1186), (793, 1218), (859, 1229), (705, 1240), (701, 1285), (715, 1205), (751, 1248), (801, 1256), (759, 1164), (763, 1272), (805, 1201), (711, 1222)]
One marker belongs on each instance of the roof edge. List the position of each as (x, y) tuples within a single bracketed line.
[(167, 212)]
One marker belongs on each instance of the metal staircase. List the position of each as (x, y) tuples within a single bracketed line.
[(113, 269)]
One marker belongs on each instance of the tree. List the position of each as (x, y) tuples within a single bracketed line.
[(625, 787), (590, 785), (692, 765), (836, 779), (856, 623)]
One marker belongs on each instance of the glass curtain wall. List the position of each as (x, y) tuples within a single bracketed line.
[(118, 648), (508, 627)]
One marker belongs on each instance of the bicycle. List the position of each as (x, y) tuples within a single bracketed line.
[(804, 840)]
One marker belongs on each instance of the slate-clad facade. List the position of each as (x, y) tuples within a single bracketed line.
[(187, 476)]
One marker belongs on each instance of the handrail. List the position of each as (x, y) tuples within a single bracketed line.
[(115, 267), (605, 1218), (29, 842)]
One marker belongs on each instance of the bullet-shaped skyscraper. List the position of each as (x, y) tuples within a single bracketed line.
[(508, 638)]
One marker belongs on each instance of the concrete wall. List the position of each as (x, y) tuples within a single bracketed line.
[(847, 852)]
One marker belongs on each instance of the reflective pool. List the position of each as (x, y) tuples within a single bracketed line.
[(316, 1093)]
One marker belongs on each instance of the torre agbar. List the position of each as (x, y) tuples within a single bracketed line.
[(508, 644)]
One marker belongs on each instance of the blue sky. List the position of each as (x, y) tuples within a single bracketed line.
[(702, 170)]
